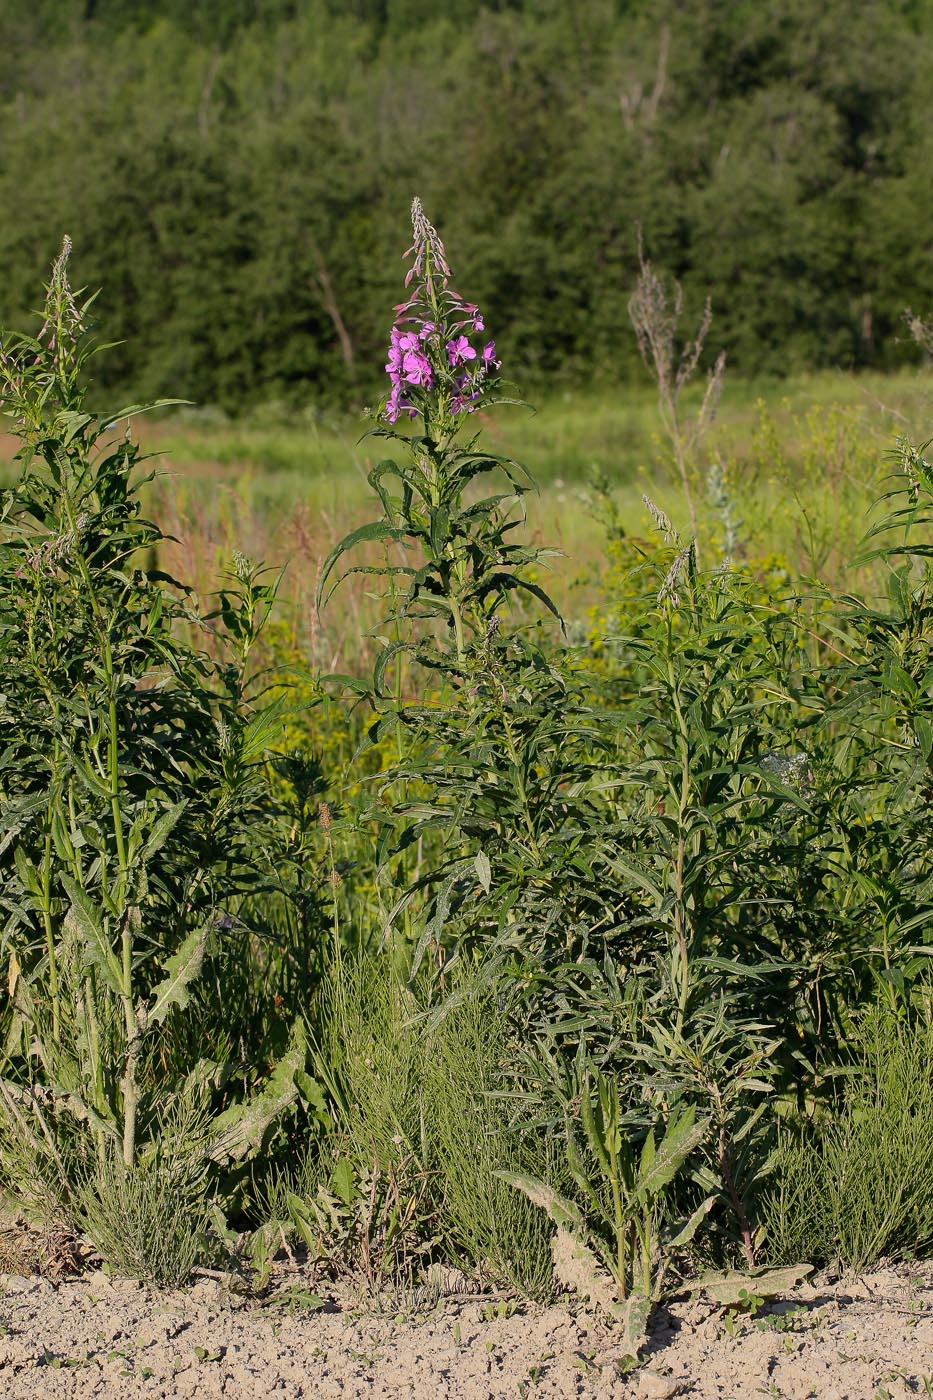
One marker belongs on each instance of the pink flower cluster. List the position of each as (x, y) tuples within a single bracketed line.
[(407, 364), (429, 345), (414, 356)]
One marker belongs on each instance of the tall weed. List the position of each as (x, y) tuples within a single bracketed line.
[(131, 774)]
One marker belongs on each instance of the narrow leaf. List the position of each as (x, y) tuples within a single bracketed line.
[(86, 921), (181, 969), (683, 1136), (564, 1213)]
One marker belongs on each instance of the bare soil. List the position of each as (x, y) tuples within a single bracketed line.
[(857, 1339)]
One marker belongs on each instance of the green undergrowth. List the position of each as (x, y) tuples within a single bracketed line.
[(578, 949), (853, 1183)]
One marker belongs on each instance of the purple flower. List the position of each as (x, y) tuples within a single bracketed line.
[(396, 404), (416, 369), (459, 350), (432, 326), (391, 408)]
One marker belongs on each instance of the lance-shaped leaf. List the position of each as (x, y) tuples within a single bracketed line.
[(686, 1234), (375, 530), (15, 815), (658, 1168), (86, 921), (163, 829), (27, 872), (240, 1129), (258, 735), (565, 1214), (181, 969), (483, 869), (733, 1287)]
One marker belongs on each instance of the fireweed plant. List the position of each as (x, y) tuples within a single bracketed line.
[(653, 866), (532, 793), (493, 773)]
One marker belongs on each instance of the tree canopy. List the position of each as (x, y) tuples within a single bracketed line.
[(236, 175)]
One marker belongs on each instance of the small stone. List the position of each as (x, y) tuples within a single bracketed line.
[(656, 1387), (16, 1283)]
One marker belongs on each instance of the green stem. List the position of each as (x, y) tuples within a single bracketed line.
[(458, 631), (512, 749), (683, 803), (50, 934), (619, 1213), (132, 1030)]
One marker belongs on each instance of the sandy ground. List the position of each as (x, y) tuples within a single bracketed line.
[(865, 1339)]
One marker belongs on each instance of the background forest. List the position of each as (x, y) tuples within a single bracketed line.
[(234, 175)]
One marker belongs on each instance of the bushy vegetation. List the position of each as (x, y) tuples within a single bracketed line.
[(234, 173), (572, 960)]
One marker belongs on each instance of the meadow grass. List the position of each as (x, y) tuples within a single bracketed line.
[(802, 460)]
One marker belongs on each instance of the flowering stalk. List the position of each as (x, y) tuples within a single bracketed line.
[(440, 373), (433, 367)]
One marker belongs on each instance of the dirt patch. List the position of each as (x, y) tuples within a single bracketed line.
[(95, 1337)]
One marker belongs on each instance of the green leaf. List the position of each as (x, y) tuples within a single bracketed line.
[(162, 829), (686, 1234), (564, 1213), (85, 919), (683, 1137), (181, 969), (15, 815), (27, 872), (240, 1129), (135, 409), (594, 1135), (311, 1092), (923, 730), (728, 1287), (343, 1181), (375, 530), (483, 869), (298, 1213), (256, 737)]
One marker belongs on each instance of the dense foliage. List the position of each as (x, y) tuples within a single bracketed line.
[(233, 173), (580, 967)]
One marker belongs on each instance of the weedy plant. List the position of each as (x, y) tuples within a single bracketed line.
[(128, 775), (617, 1247), (501, 727), (405, 1173), (656, 318)]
